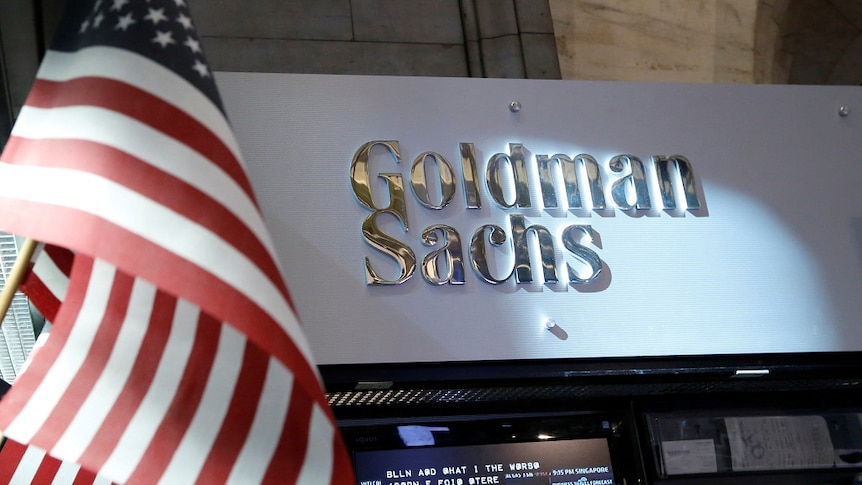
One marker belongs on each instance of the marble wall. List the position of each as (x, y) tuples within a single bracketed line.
[(748, 41), (663, 40), (772, 59), (478, 38), (760, 41)]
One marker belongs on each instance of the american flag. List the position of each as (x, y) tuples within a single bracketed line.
[(20, 464), (47, 280), (175, 355)]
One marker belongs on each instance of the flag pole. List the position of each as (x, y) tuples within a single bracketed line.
[(19, 269)]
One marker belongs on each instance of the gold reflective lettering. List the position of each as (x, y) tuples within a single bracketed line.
[(445, 176), (546, 180), (572, 180), (571, 237), (684, 175), (374, 236), (386, 244), (479, 256), (361, 183), (450, 252), (494, 177), (523, 269), (471, 177), (633, 181)]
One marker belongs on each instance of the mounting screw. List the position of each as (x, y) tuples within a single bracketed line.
[(515, 106), (844, 111)]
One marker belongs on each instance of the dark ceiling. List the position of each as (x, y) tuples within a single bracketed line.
[(824, 40)]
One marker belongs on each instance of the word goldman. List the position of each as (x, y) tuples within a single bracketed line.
[(628, 190)]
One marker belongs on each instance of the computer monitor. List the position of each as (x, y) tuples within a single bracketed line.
[(526, 449)]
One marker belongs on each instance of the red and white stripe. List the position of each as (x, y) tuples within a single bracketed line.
[(47, 282), (187, 377), (29, 465), (143, 381)]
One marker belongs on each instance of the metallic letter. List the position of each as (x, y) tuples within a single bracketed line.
[(471, 178), (686, 178), (571, 180), (478, 256), (400, 252), (635, 178), (585, 254), (493, 177), (361, 184), (446, 178), (523, 271), (451, 250)]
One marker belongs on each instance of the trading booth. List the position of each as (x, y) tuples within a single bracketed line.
[(557, 282)]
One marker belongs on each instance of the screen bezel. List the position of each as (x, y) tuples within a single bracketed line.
[(615, 428)]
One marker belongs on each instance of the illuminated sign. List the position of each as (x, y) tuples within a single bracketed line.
[(626, 177), (422, 220)]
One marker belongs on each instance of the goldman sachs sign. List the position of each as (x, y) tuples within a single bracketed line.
[(421, 219), (623, 183)]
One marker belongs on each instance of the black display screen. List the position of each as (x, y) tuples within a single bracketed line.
[(584, 461)]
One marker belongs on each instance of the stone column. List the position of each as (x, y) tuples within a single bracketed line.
[(671, 40)]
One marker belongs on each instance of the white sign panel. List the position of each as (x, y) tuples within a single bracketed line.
[(566, 219)]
